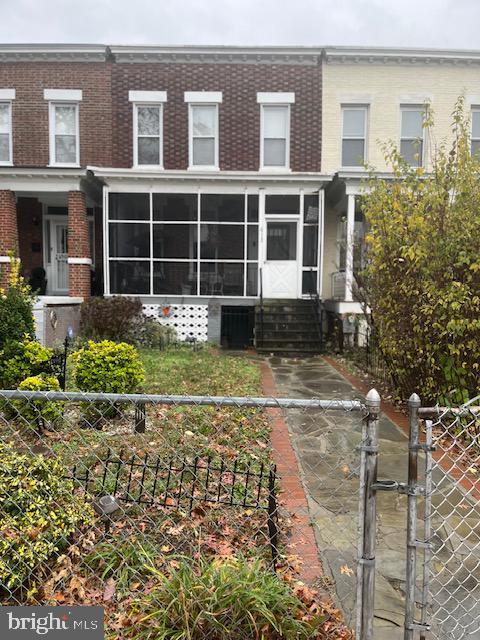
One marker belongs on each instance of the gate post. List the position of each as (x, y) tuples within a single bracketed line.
[(367, 517), (414, 404)]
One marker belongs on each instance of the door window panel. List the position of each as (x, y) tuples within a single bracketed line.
[(281, 241)]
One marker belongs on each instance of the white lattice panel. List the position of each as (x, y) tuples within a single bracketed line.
[(187, 319)]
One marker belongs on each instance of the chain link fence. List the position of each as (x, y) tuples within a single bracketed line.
[(449, 523), (120, 500)]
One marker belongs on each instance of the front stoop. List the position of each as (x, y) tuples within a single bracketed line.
[(289, 328)]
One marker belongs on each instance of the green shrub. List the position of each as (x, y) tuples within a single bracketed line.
[(116, 318), (422, 278), (16, 308), (37, 413), (21, 359), (232, 599), (154, 335), (39, 511), (108, 367)]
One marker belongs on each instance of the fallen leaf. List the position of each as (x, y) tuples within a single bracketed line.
[(109, 591), (345, 570)]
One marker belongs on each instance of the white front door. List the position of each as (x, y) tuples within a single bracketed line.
[(57, 261), (280, 269)]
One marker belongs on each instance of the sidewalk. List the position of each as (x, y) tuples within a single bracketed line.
[(326, 448)]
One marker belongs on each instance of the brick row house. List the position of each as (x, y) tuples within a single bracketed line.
[(203, 178)]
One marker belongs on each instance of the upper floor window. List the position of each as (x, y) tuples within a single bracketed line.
[(411, 135), (354, 134), (275, 129), (64, 126), (147, 127), (6, 95), (203, 128), (475, 130), (5, 133)]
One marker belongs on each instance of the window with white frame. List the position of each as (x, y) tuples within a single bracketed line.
[(203, 135), (147, 127), (64, 147), (275, 129), (475, 130), (183, 244), (275, 142), (148, 135), (5, 133), (411, 135), (354, 135)]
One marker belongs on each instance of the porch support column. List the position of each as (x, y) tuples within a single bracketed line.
[(349, 248), (79, 259), (8, 233)]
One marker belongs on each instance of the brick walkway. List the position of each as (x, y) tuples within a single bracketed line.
[(302, 542)]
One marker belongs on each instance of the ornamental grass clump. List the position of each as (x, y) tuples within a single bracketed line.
[(39, 512), (223, 599)]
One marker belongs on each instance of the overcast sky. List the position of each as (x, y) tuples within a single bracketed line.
[(422, 23)]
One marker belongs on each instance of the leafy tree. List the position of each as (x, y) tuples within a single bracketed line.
[(422, 277)]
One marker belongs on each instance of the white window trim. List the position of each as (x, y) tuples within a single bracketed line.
[(9, 162), (136, 164), (147, 96), (275, 168), (63, 95), (51, 119), (276, 97), (202, 167), (414, 107), (205, 97), (475, 108), (359, 107)]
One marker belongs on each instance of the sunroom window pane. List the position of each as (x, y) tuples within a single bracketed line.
[(353, 153), (252, 205), (148, 151), (131, 240), (204, 120), (252, 279), (287, 204), (175, 241), (65, 148), (412, 121), (274, 152), (411, 151), (275, 121), (218, 241), (175, 206), (353, 123), (221, 279), (309, 282), (4, 147), (148, 119), (252, 242), (204, 151), (222, 208), (132, 277), (175, 278), (129, 206), (310, 246), (65, 121), (310, 206)]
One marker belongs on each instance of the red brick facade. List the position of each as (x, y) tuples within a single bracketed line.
[(239, 113), (30, 109), (78, 245), (8, 232)]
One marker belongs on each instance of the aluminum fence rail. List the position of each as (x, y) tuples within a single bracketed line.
[(102, 495)]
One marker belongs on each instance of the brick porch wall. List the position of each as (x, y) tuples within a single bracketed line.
[(78, 246), (8, 232)]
